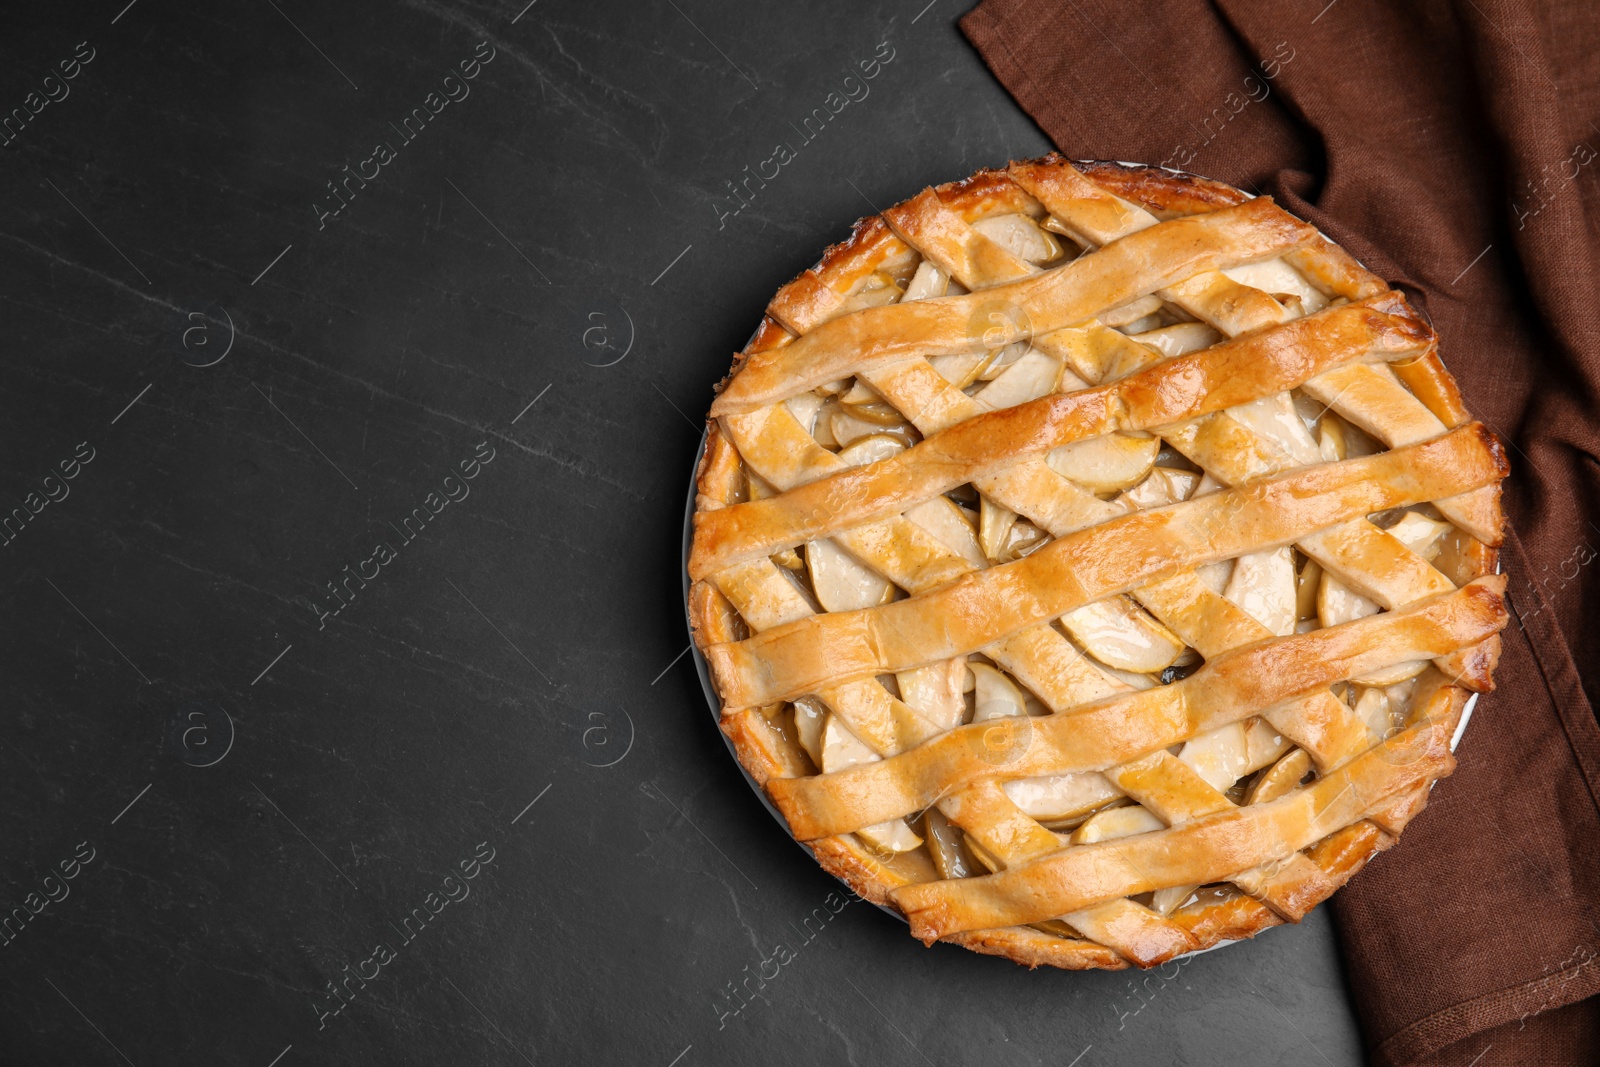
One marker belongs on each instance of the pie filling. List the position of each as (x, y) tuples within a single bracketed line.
[(1141, 640)]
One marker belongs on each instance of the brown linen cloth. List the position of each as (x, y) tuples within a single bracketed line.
[(1449, 145)]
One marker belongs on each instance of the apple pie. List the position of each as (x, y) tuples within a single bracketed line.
[(1093, 562)]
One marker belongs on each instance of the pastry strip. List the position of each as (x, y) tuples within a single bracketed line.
[(1207, 849), (1118, 273), (1179, 389), (1229, 688), (1080, 568)]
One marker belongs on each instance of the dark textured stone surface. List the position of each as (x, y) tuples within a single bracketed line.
[(285, 819)]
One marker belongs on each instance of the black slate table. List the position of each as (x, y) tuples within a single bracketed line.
[(355, 361)]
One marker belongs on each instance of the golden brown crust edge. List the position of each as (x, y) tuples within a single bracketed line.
[(870, 244)]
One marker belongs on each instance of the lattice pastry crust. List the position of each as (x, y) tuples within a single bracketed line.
[(1118, 546)]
